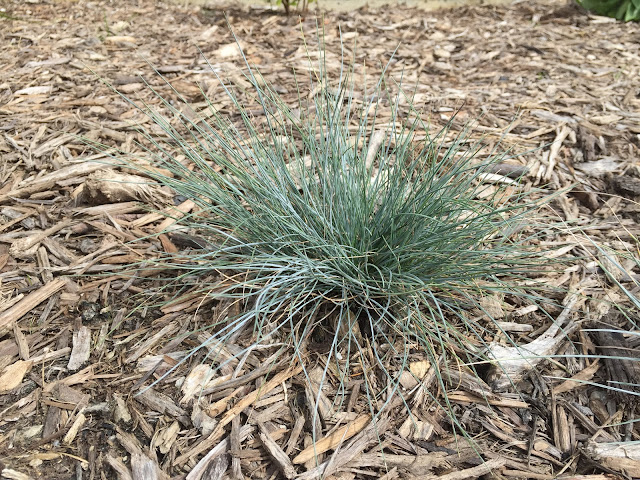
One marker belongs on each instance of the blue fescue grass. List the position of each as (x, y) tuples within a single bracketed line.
[(318, 218)]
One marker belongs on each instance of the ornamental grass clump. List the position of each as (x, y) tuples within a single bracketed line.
[(372, 240)]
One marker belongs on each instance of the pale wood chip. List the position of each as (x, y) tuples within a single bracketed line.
[(47, 181), (17, 311), (234, 444), (580, 379), (143, 468), (120, 468), (23, 346), (12, 474), (71, 434), (620, 457), (278, 455), (512, 362), (221, 448), (474, 472), (369, 436), (27, 246), (163, 404), (332, 440), (81, 348), (11, 377)]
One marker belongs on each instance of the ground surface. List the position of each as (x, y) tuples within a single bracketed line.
[(337, 5), (74, 350)]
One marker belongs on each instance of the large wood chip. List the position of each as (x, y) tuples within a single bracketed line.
[(332, 440), (15, 313), (49, 180), (81, 348), (511, 363), (278, 455), (366, 438), (12, 376), (110, 186), (163, 404), (221, 448), (120, 468), (619, 457), (474, 472), (27, 246)]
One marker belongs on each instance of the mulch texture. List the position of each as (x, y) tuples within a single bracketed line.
[(79, 355)]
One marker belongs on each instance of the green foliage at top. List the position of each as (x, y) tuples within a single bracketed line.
[(626, 10), (331, 225)]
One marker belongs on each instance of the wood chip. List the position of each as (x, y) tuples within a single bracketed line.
[(13, 314), (81, 348), (332, 440)]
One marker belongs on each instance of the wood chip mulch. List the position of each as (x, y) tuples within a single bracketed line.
[(78, 353)]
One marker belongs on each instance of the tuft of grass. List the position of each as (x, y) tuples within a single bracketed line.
[(334, 224)]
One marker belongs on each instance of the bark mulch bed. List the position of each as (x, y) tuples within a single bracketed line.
[(77, 352)]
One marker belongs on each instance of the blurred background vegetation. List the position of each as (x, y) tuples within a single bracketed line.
[(627, 10)]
